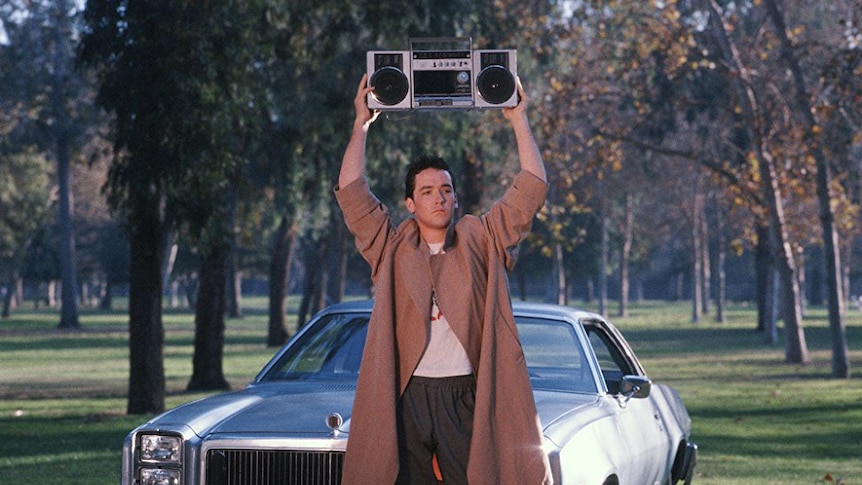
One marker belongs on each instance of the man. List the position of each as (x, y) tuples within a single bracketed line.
[(443, 382)]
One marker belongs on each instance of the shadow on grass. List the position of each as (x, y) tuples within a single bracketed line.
[(716, 339), (62, 447), (82, 340)]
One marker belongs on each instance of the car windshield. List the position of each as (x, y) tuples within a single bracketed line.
[(332, 350)]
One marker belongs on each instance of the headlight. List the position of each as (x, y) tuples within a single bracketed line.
[(161, 449), (159, 476), (160, 459)]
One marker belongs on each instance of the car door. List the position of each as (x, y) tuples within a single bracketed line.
[(643, 438)]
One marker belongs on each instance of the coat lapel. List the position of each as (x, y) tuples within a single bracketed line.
[(413, 267)]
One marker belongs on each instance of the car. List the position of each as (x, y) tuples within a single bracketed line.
[(604, 421)]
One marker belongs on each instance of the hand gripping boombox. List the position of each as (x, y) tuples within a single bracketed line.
[(442, 73)]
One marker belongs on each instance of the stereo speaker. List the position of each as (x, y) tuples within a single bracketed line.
[(391, 78), (495, 78)]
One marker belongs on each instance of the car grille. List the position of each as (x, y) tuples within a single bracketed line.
[(273, 467)]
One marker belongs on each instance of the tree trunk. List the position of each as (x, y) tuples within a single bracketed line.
[(234, 288), (311, 287), (68, 276), (605, 256), (234, 275), (9, 297), (835, 297), (107, 299), (816, 279), (697, 257), (560, 271), (207, 374), (337, 257), (801, 263), (625, 254), (279, 271), (720, 261), (146, 331), (705, 270), (763, 270)]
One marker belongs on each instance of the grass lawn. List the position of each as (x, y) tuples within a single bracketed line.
[(756, 419)]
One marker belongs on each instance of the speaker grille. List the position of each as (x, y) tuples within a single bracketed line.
[(495, 84), (390, 85)]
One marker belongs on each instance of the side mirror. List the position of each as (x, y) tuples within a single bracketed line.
[(635, 387)]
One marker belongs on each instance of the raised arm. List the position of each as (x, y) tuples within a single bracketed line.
[(528, 151), (353, 162)]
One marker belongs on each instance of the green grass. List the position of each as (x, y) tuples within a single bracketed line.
[(756, 419)]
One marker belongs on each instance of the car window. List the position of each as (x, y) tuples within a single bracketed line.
[(612, 363), (330, 350), (555, 358)]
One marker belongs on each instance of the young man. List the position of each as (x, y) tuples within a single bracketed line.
[(443, 379)]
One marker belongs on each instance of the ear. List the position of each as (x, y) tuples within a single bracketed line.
[(455, 200), (411, 206)]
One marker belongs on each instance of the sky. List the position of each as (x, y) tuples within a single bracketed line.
[(4, 39)]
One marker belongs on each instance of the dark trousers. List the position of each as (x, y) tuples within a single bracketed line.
[(435, 417)]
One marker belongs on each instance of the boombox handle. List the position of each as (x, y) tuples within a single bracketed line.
[(441, 43)]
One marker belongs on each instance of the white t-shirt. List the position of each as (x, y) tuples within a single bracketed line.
[(445, 356)]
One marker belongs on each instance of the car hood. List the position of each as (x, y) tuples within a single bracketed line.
[(282, 408), (301, 408)]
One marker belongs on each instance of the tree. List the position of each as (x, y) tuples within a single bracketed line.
[(147, 83), (41, 48), (25, 205), (754, 122), (840, 359), (179, 158), (61, 69)]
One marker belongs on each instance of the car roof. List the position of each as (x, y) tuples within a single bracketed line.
[(521, 308)]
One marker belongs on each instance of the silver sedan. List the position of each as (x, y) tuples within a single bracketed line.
[(604, 421)]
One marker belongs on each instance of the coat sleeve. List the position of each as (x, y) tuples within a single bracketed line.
[(509, 219), (367, 219)]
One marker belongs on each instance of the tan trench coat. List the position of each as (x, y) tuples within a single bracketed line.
[(471, 283)]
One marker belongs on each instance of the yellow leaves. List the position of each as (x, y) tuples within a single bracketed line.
[(556, 84), (737, 246)]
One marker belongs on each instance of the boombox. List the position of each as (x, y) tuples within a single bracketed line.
[(442, 73)]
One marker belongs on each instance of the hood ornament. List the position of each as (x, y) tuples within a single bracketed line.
[(334, 422)]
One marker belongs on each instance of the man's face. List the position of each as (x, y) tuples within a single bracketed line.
[(433, 203)]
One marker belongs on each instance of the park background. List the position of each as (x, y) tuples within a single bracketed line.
[(178, 158)]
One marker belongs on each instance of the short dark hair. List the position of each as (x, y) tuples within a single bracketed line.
[(420, 164)]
